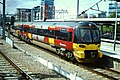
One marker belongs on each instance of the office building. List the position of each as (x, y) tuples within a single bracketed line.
[(47, 9), (112, 8)]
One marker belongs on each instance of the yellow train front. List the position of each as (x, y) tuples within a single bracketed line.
[(86, 46)]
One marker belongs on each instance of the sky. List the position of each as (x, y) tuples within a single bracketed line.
[(69, 5)]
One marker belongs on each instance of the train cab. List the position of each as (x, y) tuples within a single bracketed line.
[(86, 42)]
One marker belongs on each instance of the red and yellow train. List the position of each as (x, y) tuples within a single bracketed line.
[(75, 40)]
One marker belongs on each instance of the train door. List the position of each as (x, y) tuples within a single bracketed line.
[(63, 39)]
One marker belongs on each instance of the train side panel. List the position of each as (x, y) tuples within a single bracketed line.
[(64, 44)]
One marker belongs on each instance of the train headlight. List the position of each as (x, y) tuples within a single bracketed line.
[(82, 46), (98, 46)]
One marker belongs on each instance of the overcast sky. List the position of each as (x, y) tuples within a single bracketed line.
[(70, 5)]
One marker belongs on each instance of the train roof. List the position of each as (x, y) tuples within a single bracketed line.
[(60, 24)]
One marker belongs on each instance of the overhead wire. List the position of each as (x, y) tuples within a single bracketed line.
[(91, 7)]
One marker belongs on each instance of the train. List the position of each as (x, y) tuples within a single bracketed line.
[(79, 41)]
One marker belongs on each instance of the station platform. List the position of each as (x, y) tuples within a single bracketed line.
[(108, 49)]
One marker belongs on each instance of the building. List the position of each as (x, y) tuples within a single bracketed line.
[(112, 8), (47, 9), (0, 15), (35, 15), (23, 15), (102, 15), (0, 19), (27, 15)]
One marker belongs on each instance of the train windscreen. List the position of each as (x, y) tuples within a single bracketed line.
[(87, 35)]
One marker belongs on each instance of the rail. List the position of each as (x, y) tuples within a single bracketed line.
[(17, 68)]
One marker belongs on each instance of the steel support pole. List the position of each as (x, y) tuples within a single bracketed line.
[(3, 19), (77, 8), (115, 28), (32, 15)]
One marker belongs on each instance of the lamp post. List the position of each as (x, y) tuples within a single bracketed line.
[(77, 8), (115, 27), (3, 18), (3, 33)]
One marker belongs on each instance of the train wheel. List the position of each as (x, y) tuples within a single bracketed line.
[(70, 56)]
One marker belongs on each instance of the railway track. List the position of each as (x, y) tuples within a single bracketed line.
[(102, 70), (10, 71), (108, 73)]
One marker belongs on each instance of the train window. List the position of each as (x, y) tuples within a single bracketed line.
[(58, 35), (40, 31), (51, 33), (29, 30), (63, 35), (43, 32), (87, 35), (95, 35), (25, 29), (34, 30), (70, 36), (77, 35)]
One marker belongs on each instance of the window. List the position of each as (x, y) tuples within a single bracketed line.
[(70, 36), (29, 30), (25, 29), (42, 32), (34, 30), (95, 35), (87, 35), (51, 33), (63, 35)]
